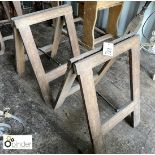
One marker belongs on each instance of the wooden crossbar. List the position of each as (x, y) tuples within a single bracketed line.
[(82, 68), (43, 15), (24, 38), (99, 58)]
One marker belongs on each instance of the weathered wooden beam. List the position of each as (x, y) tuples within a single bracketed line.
[(55, 73), (40, 16), (17, 6), (33, 55), (86, 81), (102, 38), (118, 117), (20, 56), (57, 36), (134, 60), (66, 86), (99, 58)]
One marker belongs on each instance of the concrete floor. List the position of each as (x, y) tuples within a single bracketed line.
[(66, 130)]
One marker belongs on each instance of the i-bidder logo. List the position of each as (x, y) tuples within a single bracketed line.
[(17, 142)]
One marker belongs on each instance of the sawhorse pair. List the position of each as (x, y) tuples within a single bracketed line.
[(80, 66)]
